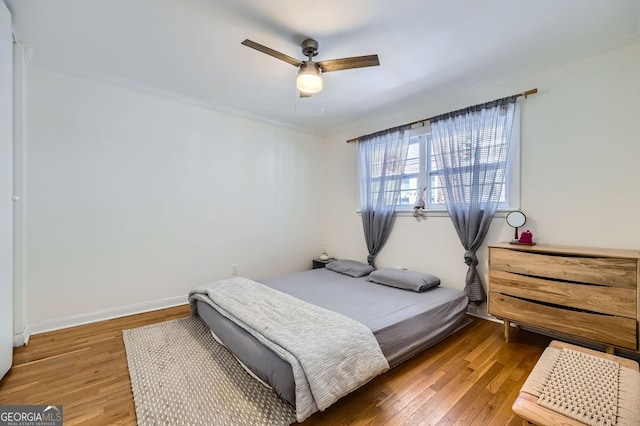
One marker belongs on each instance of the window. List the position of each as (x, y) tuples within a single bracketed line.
[(420, 172)]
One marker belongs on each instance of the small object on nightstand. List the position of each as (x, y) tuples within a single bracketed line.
[(324, 255), (321, 263)]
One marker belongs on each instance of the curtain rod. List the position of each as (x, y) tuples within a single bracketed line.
[(517, 95)]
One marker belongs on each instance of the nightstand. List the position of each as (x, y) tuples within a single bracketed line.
[(319, 263)]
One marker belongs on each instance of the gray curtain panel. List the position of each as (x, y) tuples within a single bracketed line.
[(381, 158), (471, 149)]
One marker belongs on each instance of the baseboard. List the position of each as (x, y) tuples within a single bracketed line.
[(481, 312), (484, 316), (21, 339), (107, 314)]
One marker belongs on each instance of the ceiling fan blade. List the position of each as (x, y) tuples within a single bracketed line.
[(349, 63), (271, 52)]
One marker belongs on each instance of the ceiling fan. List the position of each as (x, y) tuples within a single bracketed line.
[(309, 80)]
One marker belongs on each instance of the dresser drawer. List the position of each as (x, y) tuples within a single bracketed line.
[(615, 272), (617, 301), (609, 329)]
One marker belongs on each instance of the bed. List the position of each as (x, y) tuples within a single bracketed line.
[(403, 322)]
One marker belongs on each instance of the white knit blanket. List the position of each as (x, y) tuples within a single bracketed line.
[(330, 354)]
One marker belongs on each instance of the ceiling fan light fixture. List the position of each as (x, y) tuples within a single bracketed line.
[(309, 79)]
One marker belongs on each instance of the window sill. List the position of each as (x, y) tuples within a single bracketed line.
[(409, 213), (501, 213), (426, 213)]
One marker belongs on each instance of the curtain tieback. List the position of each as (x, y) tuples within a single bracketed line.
[(470, 258)]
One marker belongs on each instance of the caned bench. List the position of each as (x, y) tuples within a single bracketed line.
[(571, 385)]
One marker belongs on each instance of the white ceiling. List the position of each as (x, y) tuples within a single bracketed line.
[(427, 48)]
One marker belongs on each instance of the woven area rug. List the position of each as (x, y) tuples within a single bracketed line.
[(181, 376)]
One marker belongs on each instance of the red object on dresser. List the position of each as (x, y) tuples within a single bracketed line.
[(526, 237)]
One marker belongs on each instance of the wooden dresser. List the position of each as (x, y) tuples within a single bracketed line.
[(587, 293)]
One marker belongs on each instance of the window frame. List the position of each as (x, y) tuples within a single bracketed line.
[(512, 175)]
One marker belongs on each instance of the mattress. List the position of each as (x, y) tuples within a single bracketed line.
[(403, 322)]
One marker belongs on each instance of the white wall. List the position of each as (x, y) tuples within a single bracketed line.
[(133, 200), (580, 168)]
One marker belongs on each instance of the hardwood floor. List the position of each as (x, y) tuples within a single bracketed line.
[(471, 378)]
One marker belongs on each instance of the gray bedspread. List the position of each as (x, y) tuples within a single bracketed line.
[(330, 354), (404, 322)]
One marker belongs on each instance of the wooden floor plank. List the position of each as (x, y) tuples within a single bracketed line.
[(462, 409), (472, 377)]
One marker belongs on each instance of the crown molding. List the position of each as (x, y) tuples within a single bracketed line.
[(368, 126), (32, 59)]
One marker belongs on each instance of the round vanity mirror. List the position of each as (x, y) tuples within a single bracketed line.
[(516, 219)]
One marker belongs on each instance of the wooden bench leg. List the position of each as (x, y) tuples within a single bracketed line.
[(507, 331)]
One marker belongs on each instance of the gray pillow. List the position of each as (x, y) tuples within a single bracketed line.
[(350, 267), (407, 280)]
